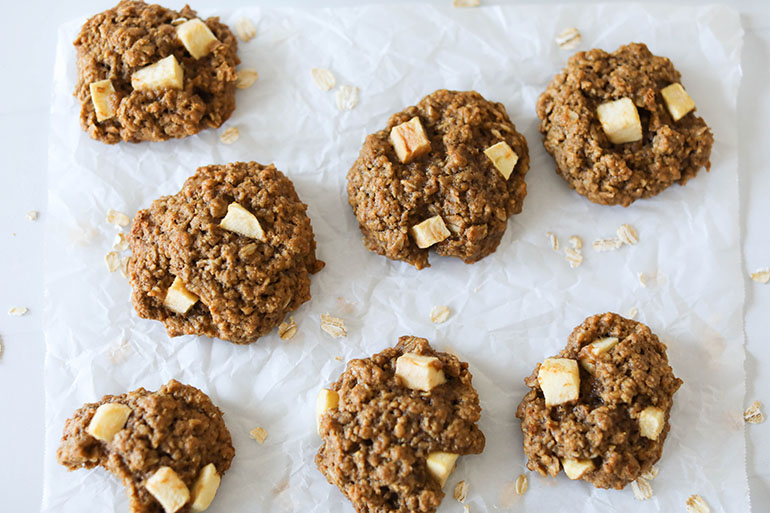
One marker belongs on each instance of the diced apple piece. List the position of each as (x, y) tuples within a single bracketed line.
[(503, 157), (409, 140), (591, 352), (205, 488), (678, 102), (178, 298), (420, 372), (327, 400), (576, 468), (103, 98), (197, 37), (168, 489), (164, 74), (651, 422), (429, 232), (620, 121), (108, 420), (441, 465), (240, 220), (559, 379)]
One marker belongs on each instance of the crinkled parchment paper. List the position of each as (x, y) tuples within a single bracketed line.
[(509, 311)]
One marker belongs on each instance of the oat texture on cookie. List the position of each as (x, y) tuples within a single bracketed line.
[(393, 426), (604, 417), (228, 256), (454, 161), (147, 73), (621, 127), (170, 448)]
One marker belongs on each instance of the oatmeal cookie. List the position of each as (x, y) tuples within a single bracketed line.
[(448, 175), (240, 285), (389, 443), (613, 428), (177, 427), (115, 44), (670, 151)]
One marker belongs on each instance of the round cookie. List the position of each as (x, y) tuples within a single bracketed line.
[(115, 44), (612, 428), (176, 427), (618, 174), (385, 441), (242, 284), (453, 179)]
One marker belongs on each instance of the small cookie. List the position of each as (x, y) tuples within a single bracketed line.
[(600, 408), (445, 174), (228, 256), (393, 426), (147, 73), (621, 127), (170, 447)]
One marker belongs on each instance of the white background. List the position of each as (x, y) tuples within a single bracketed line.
[(28, 39)]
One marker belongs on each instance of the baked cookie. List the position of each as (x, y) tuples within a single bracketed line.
[(600, 408), (228, 256), (170, 447), (393, 426), (621, 127), (147, 73), (446, 173)]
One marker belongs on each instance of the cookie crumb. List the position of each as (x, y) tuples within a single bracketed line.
[(642, 279), (628, 234), (696, 504), (753, 414), (112, 259), (323, 78), (32, 215), (574, 257), (338, 358), (554, 241), (576, 242), (259, 434), (245, 78), (245, 30), (466, 3), (2, 348), (117, 218), (334, 326), (287, 330), (642, 489), (632, 313), (439, 314), (607, 244), (650, 474), (120, 243), (569, 38), (761, 275), (522, 484), (347, 97), (230, 135), (18, 311), (461, 491)]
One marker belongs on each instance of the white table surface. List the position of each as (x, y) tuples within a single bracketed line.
[(27, 39)]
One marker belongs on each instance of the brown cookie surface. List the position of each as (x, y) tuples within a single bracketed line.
[(603, 427), (245, 286), (132, 35), (454, 180), (618, 174), (377, 440), (177, 427)]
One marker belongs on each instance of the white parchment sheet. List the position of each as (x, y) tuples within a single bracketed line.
[(509, 311)]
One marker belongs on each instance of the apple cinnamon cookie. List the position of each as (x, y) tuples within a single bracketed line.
[(147, 73), (170, 448), (444, 174), (600, 408), (621, 126), (228, 256), (393, 426)]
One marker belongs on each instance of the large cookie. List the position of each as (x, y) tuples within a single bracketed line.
[(117, 43), (450, 177), (600, 408), (141, 433), (388, 445), (670, 151), (190, 270)]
